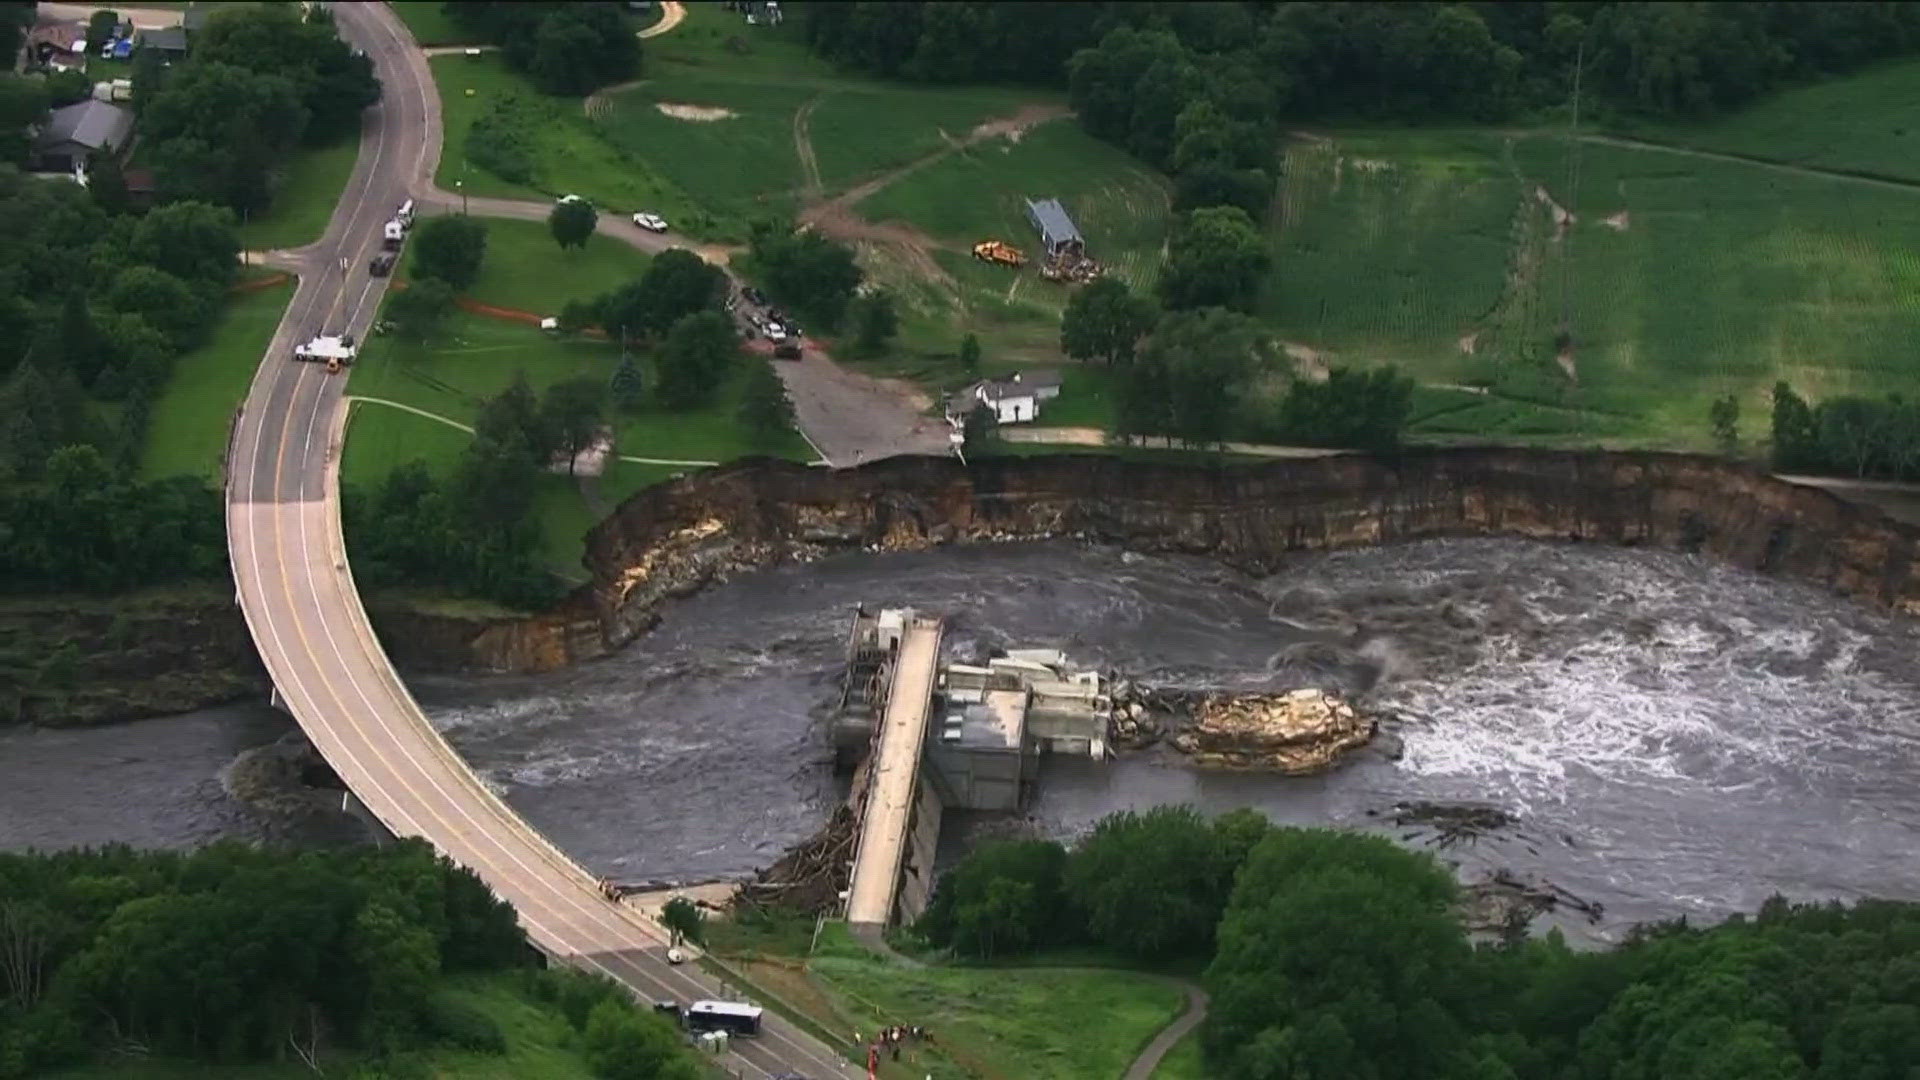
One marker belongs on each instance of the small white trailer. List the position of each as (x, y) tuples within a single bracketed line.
[(335, 352)]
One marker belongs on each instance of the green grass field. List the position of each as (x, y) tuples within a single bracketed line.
[(568, 155), (301, 208), (741, 164), (540, 1046), (527, 271), (479, 359), (1863, 124), (1182, 1062), (188, 431), (430, 25), (863, 130), (1119, 205), (1037, 1024), (1684, 278)]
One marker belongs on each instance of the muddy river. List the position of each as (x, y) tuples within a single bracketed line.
[(1676, 737)]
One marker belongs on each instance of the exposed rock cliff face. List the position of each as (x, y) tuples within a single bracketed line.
[(76, 661), (671, 539)]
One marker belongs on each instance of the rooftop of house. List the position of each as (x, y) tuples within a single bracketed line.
[(93, 124), (164, 38), (1053, 219), (66, 34), (1019, 384)]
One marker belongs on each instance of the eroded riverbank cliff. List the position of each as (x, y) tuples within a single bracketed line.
[(97, 661), (67, 661), (672, 539)]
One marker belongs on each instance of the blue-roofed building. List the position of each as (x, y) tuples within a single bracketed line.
[(1057, 232)]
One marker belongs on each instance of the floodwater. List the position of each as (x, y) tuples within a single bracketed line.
[(1675, 737)]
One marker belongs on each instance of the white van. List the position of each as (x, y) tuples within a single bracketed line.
[(405, 216)]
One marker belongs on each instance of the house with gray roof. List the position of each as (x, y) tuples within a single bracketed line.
[(76, 134), (169, 41), (1057, 231)]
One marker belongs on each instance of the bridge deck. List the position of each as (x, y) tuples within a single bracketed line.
[(895, 777)]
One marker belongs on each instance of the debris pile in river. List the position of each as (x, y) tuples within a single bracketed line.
[(1299, 732), (811, 876), (1505, 902), (1451, 822)]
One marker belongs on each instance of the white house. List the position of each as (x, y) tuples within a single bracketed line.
[(1014, 400)]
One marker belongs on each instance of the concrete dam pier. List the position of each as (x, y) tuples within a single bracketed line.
[(992, 723)]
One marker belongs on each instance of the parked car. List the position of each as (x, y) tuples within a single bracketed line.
[(786, 351), (776, 333), (675, 956), (570, 199), (382, 264), (651, 222)]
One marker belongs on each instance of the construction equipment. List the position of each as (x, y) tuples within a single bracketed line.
[(995, 251)]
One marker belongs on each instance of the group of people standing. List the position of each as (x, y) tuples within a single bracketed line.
[(890, 1039)]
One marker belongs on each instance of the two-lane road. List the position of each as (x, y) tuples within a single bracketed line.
[(297, 592)]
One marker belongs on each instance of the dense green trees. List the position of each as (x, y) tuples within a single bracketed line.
[(676, 284), (571, 223), (765, 410), (696, 359), (1273, 62), (233, 953), (1216, 258), (93, 309), (565, 48), (810, 273), (419, 312), (1338, 954), (1189, 379), (1847, 436), (874, 322), (1366, 410), (450, 247), (1104, 321), (261, 80), (475, 534)]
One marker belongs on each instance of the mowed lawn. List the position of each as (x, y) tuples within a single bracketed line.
[(1036, 1024), (1688, 279), (527, 271), (481, 357), (187, 433), (430, 25), (310, 186), (568, 156), (1864, 123)]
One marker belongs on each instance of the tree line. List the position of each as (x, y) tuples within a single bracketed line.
[(569, 49), (258, 83), (1849, 435), (233, 954), (1404, 61), (94, 308), (1340, 954)]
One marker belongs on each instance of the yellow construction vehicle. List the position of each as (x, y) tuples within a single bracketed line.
[(994, 251)]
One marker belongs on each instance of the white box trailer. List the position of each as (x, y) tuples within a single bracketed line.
[(331, 351)]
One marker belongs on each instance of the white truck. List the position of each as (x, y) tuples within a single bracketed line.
[(335, 352), (395, 234)]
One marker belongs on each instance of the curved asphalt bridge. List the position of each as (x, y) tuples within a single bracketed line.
[(297, 593)]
